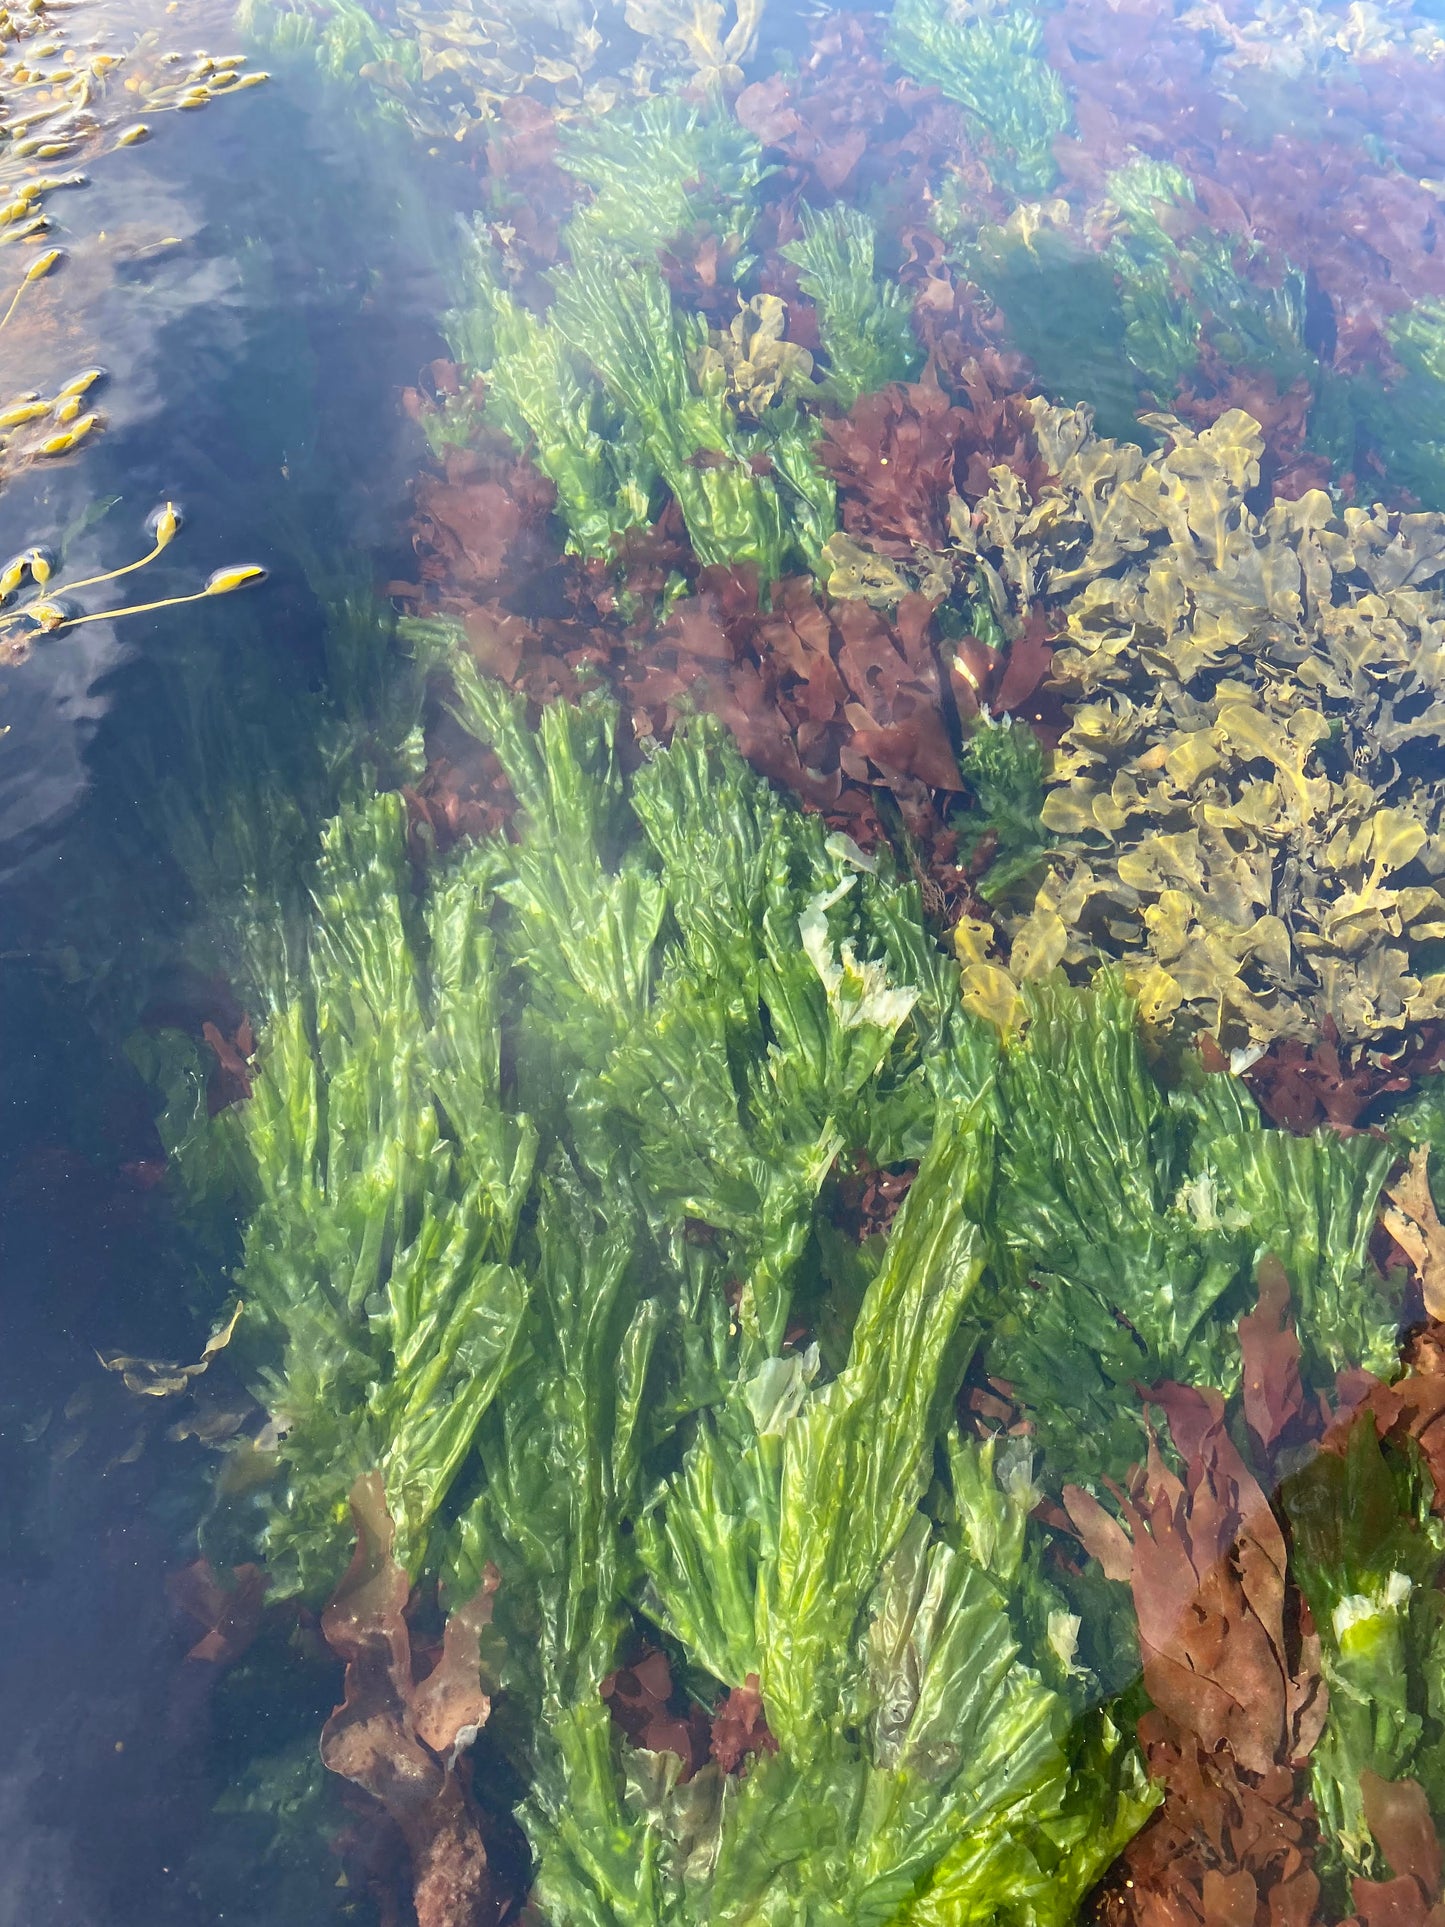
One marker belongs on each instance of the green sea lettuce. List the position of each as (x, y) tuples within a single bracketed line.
[(447, 74), (621, 319), (707, 1001), (659, 171), (1366, 1551), (617, 390), (1004, 766), (990, 60), (381, 1307), (1142, 298), (1404, 420), (780, 1020), (535, 1173), (533, 1167), (922, 1766), (1130, 1222), (543, 396), (864, 323)]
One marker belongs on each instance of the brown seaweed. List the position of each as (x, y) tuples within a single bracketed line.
[(1238, 1700), (401, 1738), (1239, 808)]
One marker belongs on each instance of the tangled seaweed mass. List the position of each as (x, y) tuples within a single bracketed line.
[(841, 1170)]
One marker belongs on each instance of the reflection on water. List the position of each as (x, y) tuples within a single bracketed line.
[(103, 254), (717, 1191), (204, 269)]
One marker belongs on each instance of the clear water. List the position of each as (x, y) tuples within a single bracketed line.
[(262, 283)]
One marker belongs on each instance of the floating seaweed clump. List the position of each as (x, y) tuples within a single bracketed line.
[(1245, 806), (67, 102), (50, 605)]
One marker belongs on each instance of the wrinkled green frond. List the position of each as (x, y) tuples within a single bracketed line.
[(924, 1770), (1406, 420), (543, 396), (566, 1344), (857, 1460), (1178, 277), (993, 66), (1312, 1203), (620, 318), (1131, 1224), (562, 1451), (1367, 1550), (381, 1311), (780, 1034), (864, 323), (1003, 765), (658, 172), (582, 931), (341, 38)]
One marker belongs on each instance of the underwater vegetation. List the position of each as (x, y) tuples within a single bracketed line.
[(830, 1180), (554, 1356), (449, 73), (1243, 806)]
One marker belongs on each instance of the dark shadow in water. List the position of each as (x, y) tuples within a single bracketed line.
[(255, 380)]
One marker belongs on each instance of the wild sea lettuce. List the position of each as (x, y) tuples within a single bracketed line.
[(621, 317), (991, 61), (345, 43), (780, 1020), (1130, 1223), (1404, 421), (537, 1161), (541, 393), (864, 322), (1120, 305), (1366, 1551), (788, 1554), (1182, 291), (448, 74), (385, 1181), (660, 172), (749, 497), (540, 1140), (1004, 766), (534, 1331), (386, 1168), (619, 388)]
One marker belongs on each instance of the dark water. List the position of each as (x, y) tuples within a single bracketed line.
[(252, 377)]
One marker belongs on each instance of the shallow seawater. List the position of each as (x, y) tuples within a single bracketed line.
[(722, 962)]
